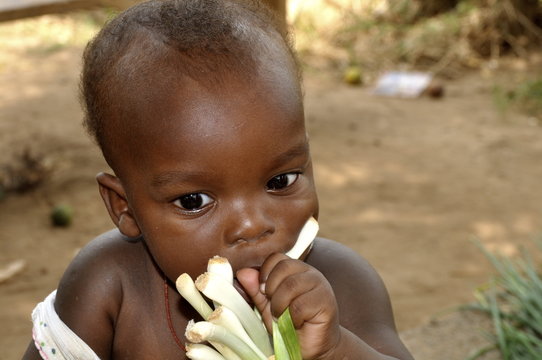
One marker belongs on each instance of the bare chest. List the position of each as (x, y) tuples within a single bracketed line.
[(152, 325)]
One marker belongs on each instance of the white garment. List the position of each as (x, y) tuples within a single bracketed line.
[(53, 338)]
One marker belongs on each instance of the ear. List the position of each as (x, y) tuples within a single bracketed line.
[(115, 201)]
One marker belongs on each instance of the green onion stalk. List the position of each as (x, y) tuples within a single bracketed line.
[(234, 330)]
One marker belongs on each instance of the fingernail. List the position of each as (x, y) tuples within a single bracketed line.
[(262, 288)]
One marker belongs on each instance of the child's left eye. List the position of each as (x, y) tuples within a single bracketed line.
[(282, 181), (193, 202)]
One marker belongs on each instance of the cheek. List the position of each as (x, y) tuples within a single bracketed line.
[(175, 255), (178, 247), (308, 201), (297, 214)]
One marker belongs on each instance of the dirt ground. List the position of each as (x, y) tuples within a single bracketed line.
[(406, 183)]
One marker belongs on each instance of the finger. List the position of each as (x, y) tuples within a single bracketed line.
[(269, 264), (249, 280), (315, 307), (282, 270), (284, 293), (278, 266)]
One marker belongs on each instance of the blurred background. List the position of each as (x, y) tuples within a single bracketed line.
[(425, 122)]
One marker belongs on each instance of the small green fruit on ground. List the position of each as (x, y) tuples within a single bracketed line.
[(352, 75), (62, 215)]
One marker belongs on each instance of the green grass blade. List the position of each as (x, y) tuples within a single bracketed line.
[(514, 303), (497, 322)]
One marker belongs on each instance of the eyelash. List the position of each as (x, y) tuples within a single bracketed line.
[(197, 197), (289, 183), (200, 200)]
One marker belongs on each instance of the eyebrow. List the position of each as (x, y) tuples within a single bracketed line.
[(298, 150), (174, 176)]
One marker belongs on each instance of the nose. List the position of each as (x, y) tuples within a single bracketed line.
[(248, 221)]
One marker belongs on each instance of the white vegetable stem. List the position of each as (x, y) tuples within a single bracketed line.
[(225, 351), (225, 317), (217, 289), (186, 287), (305, 239), (202, 352), (221, 266), (205, 331)]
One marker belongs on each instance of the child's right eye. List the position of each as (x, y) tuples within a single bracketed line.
[(193, 202)]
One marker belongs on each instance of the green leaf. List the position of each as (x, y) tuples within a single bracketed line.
[(281, 353), (289, 335)]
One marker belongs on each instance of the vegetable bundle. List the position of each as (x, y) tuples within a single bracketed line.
[(233, 328)]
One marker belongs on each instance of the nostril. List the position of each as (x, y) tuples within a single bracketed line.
[(238, 242), (245, 238), (247, 222)]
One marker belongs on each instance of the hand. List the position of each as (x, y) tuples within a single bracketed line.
[(283, 282)]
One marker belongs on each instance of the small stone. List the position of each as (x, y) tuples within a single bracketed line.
[(435, 91)]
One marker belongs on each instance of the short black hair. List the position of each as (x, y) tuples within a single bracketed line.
[(206, 37)]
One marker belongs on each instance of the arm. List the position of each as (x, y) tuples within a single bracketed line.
[(363, 301), (341, 310), (88, 297)]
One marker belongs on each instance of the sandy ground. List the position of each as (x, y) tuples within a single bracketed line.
[(406, 183)]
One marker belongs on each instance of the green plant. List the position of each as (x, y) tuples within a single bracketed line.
[(525, 97), (513, 300), (502, 98), (529, 96), (62, 215)]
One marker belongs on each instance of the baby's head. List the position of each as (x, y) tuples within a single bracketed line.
[(197, 107), (158, 43)]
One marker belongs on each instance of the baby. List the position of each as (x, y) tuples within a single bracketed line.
[(197, 107)]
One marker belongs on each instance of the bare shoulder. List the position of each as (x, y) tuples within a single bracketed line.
[(364, 304), (346, 270), (90, 293), (102, 263)]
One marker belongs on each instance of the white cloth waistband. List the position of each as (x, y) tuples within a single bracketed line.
[(53, 338)]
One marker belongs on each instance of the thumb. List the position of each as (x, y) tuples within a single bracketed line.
[(249, 279)]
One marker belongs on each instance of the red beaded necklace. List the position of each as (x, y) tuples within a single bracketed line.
[(168, 315)]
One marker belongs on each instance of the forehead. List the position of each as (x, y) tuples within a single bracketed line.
[(181, 120)]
